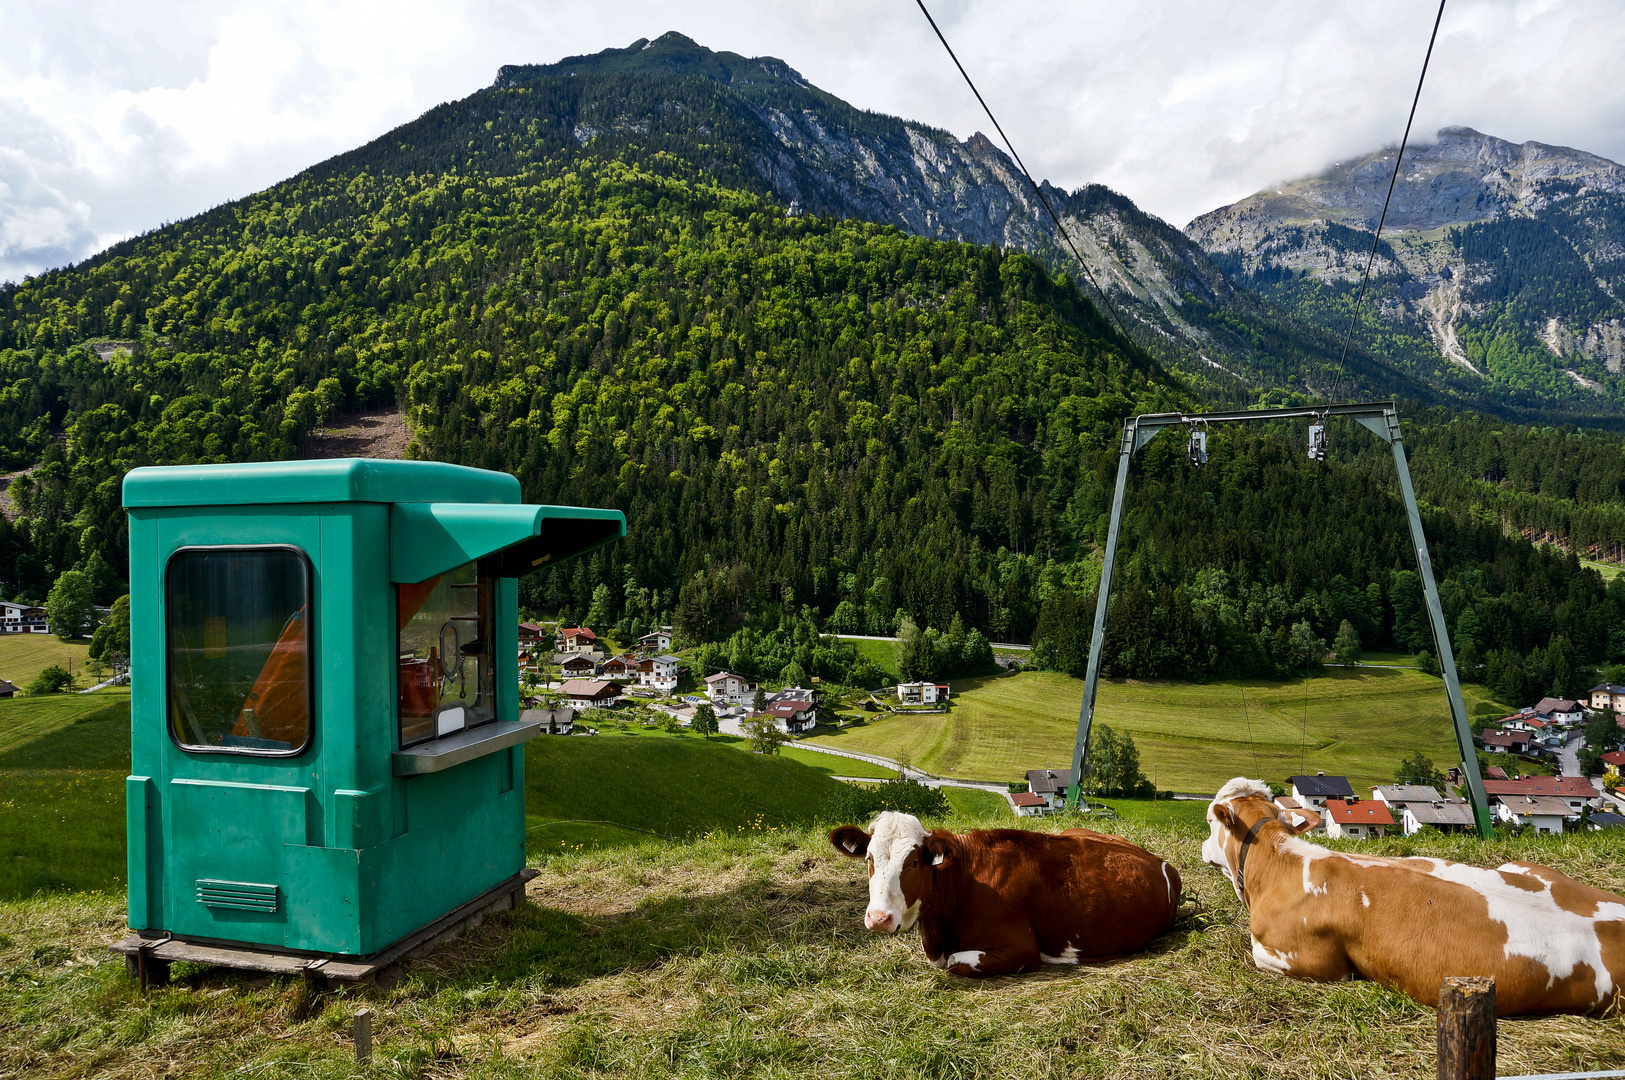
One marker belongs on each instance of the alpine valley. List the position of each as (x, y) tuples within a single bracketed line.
[(840, 375)]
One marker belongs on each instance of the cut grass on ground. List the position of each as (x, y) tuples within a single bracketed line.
[(883, 654), (1191, 736), (44, 732), (24, 656), (744, 954)]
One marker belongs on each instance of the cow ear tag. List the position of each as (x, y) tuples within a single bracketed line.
[(936, 860)]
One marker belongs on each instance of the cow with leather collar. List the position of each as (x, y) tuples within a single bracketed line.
[(998, 901), (1551, 943)]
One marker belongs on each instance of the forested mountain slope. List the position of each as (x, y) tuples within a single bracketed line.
[(1507, 260), (802, 416)]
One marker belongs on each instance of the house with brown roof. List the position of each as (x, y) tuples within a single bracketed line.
[(577, 639), (578, 666), (1616, 758), (1576, 791), (656, 641), (592, 693), (530, 634), (1543, 813), (1566, 712), (1357, 819), (1029, 805), (794, 710), (1050, 785), (726, 688), (1505, 742)]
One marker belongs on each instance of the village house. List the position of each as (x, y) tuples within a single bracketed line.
[(660, 673), (623, 667), (794, 709), (578, 666), (1357, 819), (577, 639), (1604, 819), (1525, 720), (592, 693), (1608, 696), (530, 635), (1616, 758), (921, 693), (553, 721), (1544, 813), (18, 618), (726, 688), (657, 641), (1029, 805), (1313, 791), (1574, 792), (8, 688), (1505, 742), (1420, 805), (1566, 712), (1050, 785)]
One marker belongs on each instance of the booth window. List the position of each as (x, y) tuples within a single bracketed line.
[(445, 673), (238, 645)]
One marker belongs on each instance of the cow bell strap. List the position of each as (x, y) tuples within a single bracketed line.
[(1241, 860)]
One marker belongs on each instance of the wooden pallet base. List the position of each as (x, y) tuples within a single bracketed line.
[(148, 958)]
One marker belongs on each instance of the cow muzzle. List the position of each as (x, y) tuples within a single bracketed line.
[(875, 919)]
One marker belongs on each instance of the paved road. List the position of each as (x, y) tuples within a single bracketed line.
[(1569, 757)]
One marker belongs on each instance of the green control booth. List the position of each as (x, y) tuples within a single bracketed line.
[(327, 768)]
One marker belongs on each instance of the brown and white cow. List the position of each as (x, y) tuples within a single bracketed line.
[(1551, 943), (997, 901)]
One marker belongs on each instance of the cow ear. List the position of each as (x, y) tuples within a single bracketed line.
[(1225, 815), (850, 841), (939, 846), (1302, 821)]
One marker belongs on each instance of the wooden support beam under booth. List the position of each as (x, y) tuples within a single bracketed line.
[(1381, 418)]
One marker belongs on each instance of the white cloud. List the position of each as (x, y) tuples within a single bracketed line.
[(117, 117)]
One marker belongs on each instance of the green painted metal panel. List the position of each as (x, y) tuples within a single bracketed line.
[(146, 888), (430, 538), (357, 857), (335, 480)]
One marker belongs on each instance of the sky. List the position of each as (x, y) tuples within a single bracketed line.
[(116, 118)]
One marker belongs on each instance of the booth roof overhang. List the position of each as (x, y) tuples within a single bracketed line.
[(441, 516)]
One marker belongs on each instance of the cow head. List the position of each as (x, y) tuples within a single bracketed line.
[(1234, 811), (903, 860)]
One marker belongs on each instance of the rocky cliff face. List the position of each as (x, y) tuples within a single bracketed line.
[(1509, 258), (821, 155)]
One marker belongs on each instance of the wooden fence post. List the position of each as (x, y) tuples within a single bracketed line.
[(363, 1036), (1467, 1028)]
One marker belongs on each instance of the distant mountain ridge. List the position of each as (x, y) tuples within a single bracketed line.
[(1508, 258), (821, 155)]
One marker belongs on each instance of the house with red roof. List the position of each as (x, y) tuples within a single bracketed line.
[(1029, 805), (577, 639), (1357, 819)]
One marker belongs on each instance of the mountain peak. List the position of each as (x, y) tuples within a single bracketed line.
[(671, 53)]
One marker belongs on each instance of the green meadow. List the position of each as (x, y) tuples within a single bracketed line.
[(1356, 722)]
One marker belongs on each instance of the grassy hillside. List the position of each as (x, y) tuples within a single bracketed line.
[(743, 955), (24, 656), (616, 789), (1192, 736)]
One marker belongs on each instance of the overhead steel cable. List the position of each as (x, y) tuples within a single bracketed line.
[(1392, 180), (1037, 191)]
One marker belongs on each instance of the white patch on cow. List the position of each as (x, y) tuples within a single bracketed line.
[(1168, 881), (1365, 901), (1069, 955), (894, 837), (1268, 959), (1537, 927), (971, 958)]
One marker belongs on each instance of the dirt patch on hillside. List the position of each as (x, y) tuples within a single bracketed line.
[(373, 433)]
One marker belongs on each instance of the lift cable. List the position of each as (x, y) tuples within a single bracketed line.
[(1065, 235), (1377, 239)]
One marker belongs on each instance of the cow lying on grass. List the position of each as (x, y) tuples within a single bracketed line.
[(1551, 943), (1005, 900)]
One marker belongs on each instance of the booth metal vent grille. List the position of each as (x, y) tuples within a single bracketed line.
[(242, 895)]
